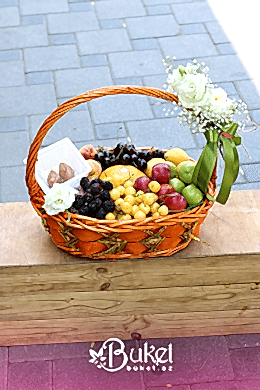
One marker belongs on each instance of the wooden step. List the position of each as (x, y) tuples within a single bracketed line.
[(48, 296)]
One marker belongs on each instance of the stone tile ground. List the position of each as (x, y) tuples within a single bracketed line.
[(51, 51)]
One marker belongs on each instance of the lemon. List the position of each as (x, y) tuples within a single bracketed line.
[(176, 156)]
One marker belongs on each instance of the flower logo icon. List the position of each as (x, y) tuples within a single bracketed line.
[(97, 357)]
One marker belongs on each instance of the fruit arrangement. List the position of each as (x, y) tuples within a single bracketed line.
[(129, 183), (135, 183)]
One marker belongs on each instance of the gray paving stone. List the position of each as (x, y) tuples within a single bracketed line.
[(74, 124), (194, 153), (195, 28), (23, 36), (10, 55), (13, 124), (228, 87), (94, 60), (193, 13), (220, 172), (225, 68), (152, 26), (51, 58), (33, 7), (103, 41), (256, 116), (8, 3), (158, 10), (251, 141), (216, 32), (119, 9), (145, 44), (155, 81), (138, 63), (81, 7), (158, 108), (71, 83), (186, 46), (247, 186), (62, 39), (129, 81), (13, 187), (9, 17), (110, 143), (162, 133), (13, 148), (111, 23), (111, 130), (226, 48), (159, 2), (249, 94), (13, 73), (27, 100), (72, 22), (34, 19), (120, 108), (39, 78), (252, 172)]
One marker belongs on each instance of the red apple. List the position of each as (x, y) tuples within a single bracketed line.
[(161, 172), (141, 183), (88, 151), (165, 190), (175, 202)]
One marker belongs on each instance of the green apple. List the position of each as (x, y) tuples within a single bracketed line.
[(173, 168), (192, 194), (177, 184), (186, 172)]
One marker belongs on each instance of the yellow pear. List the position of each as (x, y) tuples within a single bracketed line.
[(176, 156)]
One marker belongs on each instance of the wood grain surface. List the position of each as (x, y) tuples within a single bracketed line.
[(48, 296)]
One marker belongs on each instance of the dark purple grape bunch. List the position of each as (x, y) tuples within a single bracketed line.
[(95, 202), (127, 154)]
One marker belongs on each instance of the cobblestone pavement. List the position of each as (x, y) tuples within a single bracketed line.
[(51, 51), (199, 363)]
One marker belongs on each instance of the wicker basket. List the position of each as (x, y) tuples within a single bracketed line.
[(101, 239)]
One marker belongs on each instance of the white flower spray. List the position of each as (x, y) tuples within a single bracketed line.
[(202, 106)]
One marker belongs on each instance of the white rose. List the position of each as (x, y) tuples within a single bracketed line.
[(219, 101), (174, 79), (193, 92), (59, 198)]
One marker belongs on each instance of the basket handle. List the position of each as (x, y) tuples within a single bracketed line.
[(33, 186)]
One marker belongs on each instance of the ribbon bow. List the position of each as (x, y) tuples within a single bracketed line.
[(207, 161)]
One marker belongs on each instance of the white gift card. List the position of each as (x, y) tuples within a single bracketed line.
[(63, 151)]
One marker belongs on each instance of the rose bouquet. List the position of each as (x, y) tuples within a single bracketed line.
[(208, 110)]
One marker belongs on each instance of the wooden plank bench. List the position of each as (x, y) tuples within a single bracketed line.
[(48, 296)]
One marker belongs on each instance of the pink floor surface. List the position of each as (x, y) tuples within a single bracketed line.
[(199, 363)]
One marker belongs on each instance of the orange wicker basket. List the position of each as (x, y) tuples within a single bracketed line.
[(112, 240)]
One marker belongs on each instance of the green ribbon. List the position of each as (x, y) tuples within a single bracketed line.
[(207, 161)]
